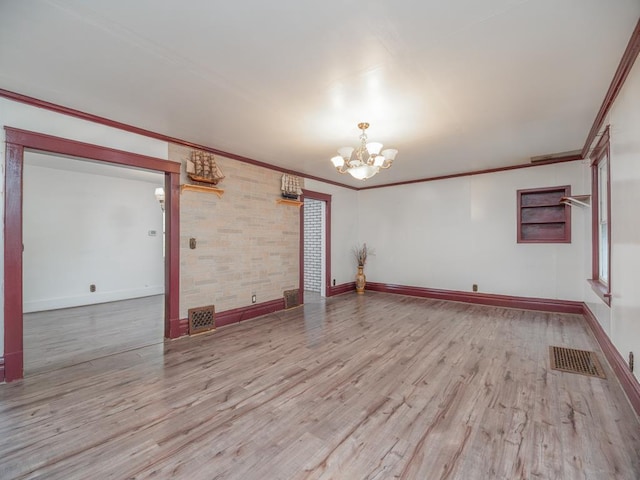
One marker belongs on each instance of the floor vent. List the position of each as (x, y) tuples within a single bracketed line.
[(201, 319), (291, 298), (571, 360)]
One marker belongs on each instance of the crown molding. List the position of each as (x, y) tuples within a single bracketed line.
[(622, 72), (624, 67)]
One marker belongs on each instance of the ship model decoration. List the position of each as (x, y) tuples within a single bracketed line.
[(291, 188), (202, 168)]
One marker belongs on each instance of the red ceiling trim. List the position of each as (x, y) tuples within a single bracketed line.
[(624, 67), (158, 136), (622, 72), (567, 158)]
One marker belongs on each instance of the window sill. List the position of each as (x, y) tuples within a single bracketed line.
[(601, 290)]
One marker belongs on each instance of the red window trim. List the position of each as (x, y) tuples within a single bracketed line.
[(602, 150)]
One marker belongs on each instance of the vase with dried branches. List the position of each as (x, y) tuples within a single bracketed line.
[(361, 253)]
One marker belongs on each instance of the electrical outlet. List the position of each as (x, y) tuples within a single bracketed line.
[(253, 298), (474, 287), (334, 282), (92, 288)]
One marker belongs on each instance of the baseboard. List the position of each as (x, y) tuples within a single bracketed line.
[(183, 327), (235, 315), (90, 299), (629, 382), (12, 366), (526, 303), (1, 369), (245, 313), (342, 288)]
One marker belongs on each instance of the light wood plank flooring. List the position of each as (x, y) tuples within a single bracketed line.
[(355, 387), (60, 338)]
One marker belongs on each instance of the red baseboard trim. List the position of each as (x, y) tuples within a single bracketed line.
[(245, 313), (1, 369), (627, 380), (175, 328), (235, 315), (13, 367), (527, 303), (183, 327), (342, 288)]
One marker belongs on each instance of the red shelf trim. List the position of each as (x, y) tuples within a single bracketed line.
[(565, 191)]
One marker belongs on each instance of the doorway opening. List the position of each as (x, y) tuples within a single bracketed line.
[(19, 141), (315, 227), (314, 248), (93, 263)]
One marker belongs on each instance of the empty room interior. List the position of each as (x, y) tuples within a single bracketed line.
[(337, 240)]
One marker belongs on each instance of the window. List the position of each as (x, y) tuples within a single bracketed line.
[(601, 226), (541, 216)]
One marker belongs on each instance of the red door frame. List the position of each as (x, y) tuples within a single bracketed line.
[(16, 142), (323, 197)]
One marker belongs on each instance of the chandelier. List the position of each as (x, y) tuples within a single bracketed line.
[(364, 161)]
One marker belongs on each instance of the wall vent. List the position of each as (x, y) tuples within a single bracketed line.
[(291, 298), (576, 361), (201, 319)]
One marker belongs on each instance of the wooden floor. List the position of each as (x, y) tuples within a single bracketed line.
[(355, 387), (59, 338)]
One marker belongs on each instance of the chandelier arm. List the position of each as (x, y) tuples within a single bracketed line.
[(361, 162), (343, 169)]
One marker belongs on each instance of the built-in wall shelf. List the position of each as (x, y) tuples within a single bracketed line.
[(542, 216), (286, 201), (201, 188)]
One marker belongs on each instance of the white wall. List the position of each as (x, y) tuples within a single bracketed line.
[(89, 229), (622, 320), (18, 115), (450, 234), (344, 228)]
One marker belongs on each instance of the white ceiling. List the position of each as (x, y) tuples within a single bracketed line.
[(74, 164), (454, 85)]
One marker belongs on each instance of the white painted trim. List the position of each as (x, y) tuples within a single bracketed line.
[(91, 298)]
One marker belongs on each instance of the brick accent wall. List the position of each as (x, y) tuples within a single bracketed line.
[(312, 245), (246, 243)]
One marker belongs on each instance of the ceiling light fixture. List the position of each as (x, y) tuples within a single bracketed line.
[(366, 160)]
